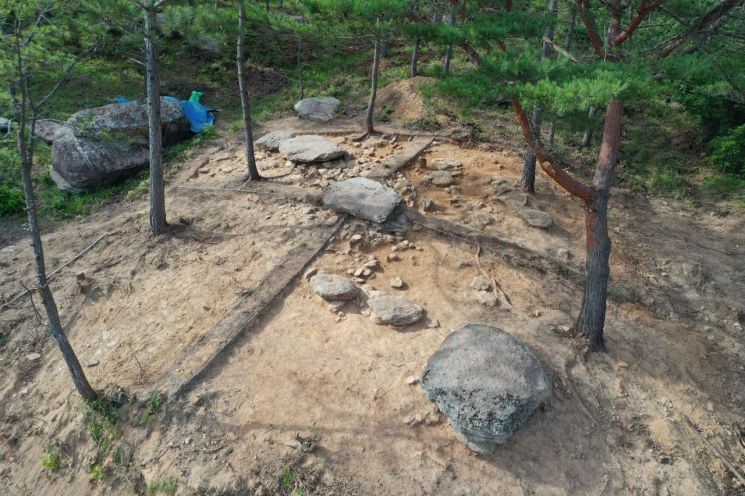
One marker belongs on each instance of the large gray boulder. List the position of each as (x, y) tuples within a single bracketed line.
[(101, 145), (309, 149), (391, 310), (4, 125), (46, 129), (271, 141), (487, 382), (318, 108), (363, 198)]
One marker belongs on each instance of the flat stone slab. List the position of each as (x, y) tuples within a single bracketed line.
[(319, 108), (442, 164), (271, 141), (487, 382), (536, 218), (331, 287), (363, 198), (440, 178), (391, 310), (311, 148)]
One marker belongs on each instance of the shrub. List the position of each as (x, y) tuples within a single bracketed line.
[(728, 151), (11, 201)]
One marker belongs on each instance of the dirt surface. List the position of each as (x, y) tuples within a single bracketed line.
[(626, 422)]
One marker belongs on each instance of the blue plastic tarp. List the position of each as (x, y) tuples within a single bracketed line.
[(199, 116)]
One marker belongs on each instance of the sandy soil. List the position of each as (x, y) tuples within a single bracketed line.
[(625, 422)]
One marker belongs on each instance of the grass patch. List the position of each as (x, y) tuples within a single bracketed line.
[(167, 486), (12, 202), (726, 184), (427, 123), (153, 406), (52, 459)]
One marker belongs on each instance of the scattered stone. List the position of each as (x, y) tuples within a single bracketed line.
[(426, 204), (480, 283), (310, 273), (358, 272), (319, 108), (331, 287), (372, 264), (439, 178), (310, 148), (92, 363), (33, 357), (392, 257), (337, 305), (442, 164), (487, 298), (391, 310), (487, 382), (536, 218), (397, 283), (270, 142), (355, 238), (363, 198), (433, 324), (366, 272), (411, 380), (563, 254)]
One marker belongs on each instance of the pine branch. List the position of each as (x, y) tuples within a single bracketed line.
[(644, 10), (592, 30), (706, 21)]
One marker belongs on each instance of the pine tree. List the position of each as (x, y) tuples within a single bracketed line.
[(619, 73), (30, 36), (253, 172), (369, 20)]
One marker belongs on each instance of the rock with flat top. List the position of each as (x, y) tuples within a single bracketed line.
[(391, 310), (440, 178), (271, 141), (536, 218), (487, 382), (311, 148), (331, 287), (442, 164), (361, 197), (318, 108)]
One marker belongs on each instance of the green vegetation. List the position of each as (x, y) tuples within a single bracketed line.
[(167, 486), (98, 472), (52, 460), (153, 406)]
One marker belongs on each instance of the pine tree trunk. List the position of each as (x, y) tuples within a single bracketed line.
[(551, 133), (26, 150), (158, 223), (253, 172), (528, 179), (300, 66), (414, 60), (591, 318), (369, 127), (587, 137), (449, 51)]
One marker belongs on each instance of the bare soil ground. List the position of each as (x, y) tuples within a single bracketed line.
[(632, 421)]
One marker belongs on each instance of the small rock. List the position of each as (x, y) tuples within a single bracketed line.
[(442, 164), (536, 218), (397, 283), (355, 238), (366, 272), (426, 204), (480, 284), (92, 363), (372, 264), (487, 298), (33, 357), (391, 310), (310, 273), (331, 287), (392, 257), (411, 380), (440, 178), (337, 305)]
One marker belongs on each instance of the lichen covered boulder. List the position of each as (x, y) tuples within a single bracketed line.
[(487, 382), (99, 146)]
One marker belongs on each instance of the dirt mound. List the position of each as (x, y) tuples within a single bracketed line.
[(402, 101)]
